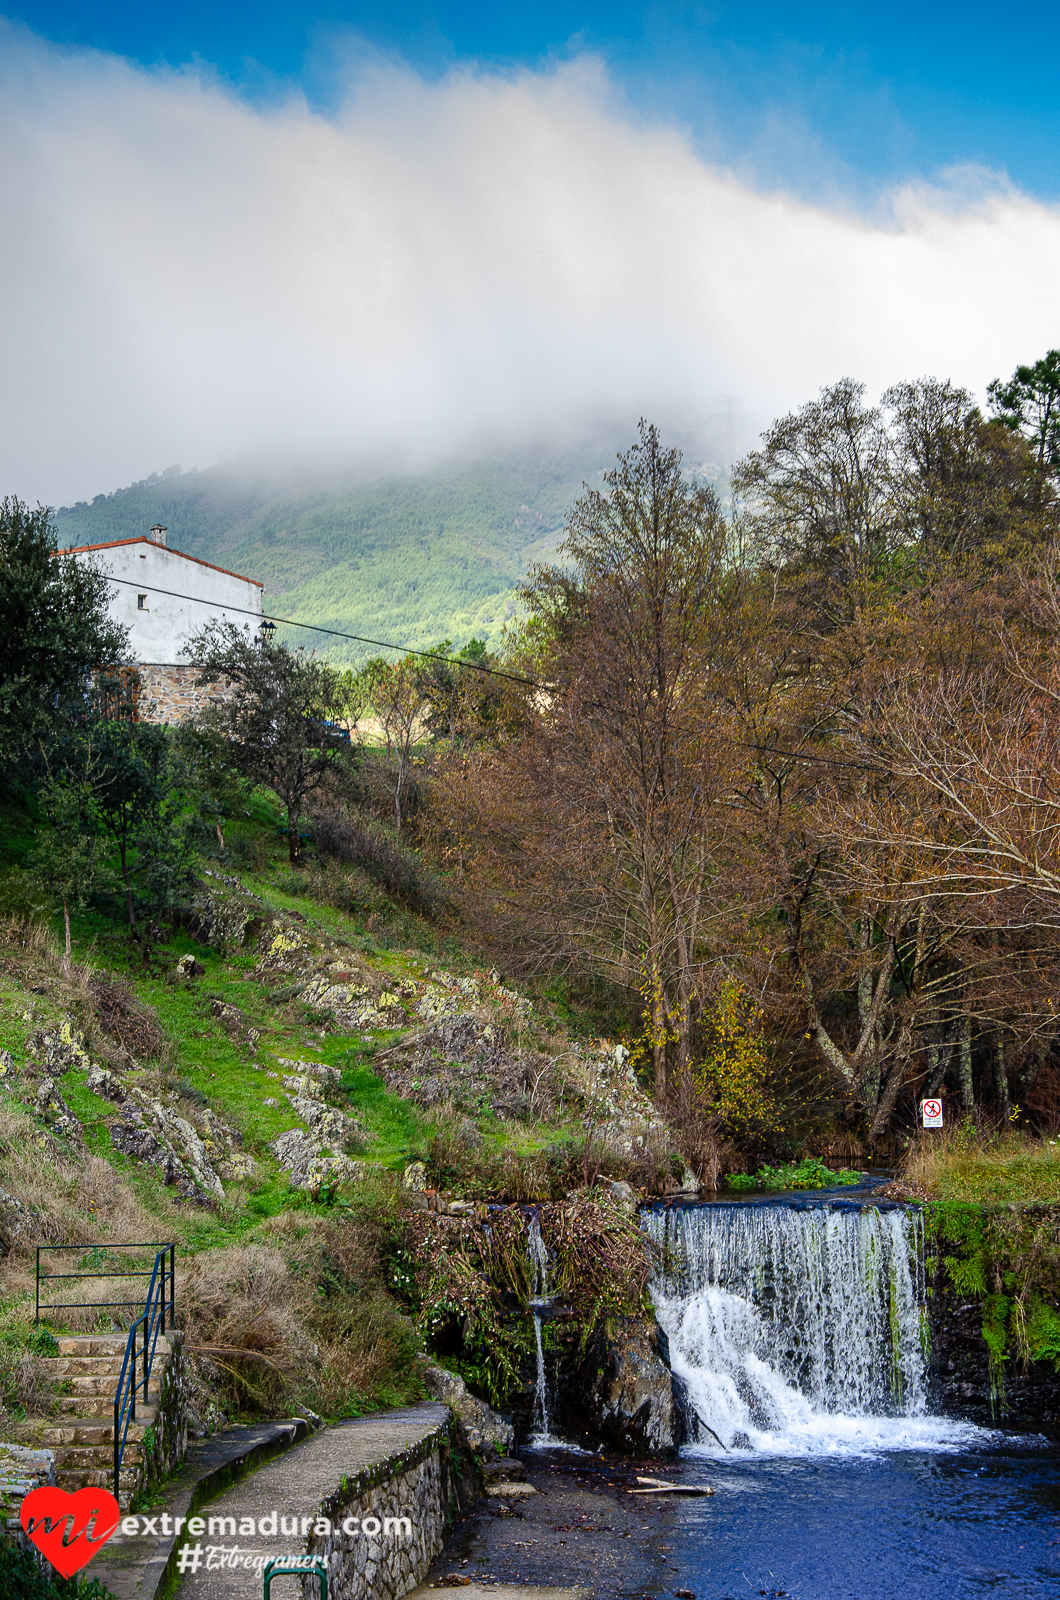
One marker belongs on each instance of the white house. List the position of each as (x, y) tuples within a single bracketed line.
[(164, 596)]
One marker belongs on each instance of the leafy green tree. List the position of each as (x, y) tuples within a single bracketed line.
[(968, 496), (275, 716), (1029, 403), (205, 756), (68, 864), (54, 628), (463, 703)]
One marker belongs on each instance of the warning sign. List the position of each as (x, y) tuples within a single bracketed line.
[(931, 1111)]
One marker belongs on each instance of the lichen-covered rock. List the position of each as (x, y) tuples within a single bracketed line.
[(321, 1152), (283, 949), (220, 919), (16, 1220), (7, 1066), (629, 1397), (56, 1114), (59, 1049), (487, 1432), (310, 1164), (106, 1084), (619, 1108), (150, 1131)]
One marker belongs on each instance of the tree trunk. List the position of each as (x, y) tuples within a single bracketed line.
[(67, 963), (1004, 1104), (964, 1059), (129, 907)]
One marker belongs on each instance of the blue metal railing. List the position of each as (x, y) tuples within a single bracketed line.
[(152, 1320)]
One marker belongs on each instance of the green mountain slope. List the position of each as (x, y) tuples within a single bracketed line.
[(405, 558)]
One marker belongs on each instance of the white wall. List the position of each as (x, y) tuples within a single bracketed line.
[(159, 633)]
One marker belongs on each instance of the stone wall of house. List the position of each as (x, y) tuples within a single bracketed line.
[(170, 693)]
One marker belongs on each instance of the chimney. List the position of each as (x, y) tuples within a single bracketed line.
[(157, 534)]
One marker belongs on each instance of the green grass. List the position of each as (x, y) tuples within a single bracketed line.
[(987, 1168), (396, 1125)]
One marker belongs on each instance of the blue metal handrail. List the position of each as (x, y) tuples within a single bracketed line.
[(153, 1321)]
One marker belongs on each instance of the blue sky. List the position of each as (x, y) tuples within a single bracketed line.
[(806, 96)]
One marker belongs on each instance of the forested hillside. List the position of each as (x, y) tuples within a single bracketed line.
[(413, 558)]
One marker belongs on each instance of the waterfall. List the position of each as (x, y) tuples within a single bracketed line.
[(540, 1264), (796, 1329)]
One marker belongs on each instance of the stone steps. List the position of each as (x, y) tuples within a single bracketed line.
[(89, 1367), (96, 1405)]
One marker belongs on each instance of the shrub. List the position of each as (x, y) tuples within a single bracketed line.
[(22, 1577), (126, 1019), (399, 871)]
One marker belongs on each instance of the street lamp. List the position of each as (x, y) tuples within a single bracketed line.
[(266, 631)]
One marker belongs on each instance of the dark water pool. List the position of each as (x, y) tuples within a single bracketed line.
[(897, 1526)]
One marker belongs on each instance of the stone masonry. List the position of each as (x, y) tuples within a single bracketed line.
[(170, 693)]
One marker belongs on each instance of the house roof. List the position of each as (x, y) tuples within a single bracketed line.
[(113, 544)]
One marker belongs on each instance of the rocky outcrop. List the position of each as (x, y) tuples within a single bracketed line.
[(193, 1152), (967, 1383), (218, 918), (463, 1061), (322, 1152), (628, 1392), (487, 1433), (56, 1114), (614, 1100)]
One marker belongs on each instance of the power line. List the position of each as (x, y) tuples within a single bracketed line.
[(336, 633)]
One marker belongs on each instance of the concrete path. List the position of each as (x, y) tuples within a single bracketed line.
[(135, 1568), (293, 1486), (497, 1591)]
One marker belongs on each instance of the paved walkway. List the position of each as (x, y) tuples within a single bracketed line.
[(134, 1568), (294, 1485), (497, 1591)]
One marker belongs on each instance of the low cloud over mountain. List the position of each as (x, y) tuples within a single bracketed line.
[(440, 266)]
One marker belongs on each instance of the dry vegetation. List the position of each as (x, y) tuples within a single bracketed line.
[(982, 1164)]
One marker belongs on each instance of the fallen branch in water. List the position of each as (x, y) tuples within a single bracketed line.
[(660, 1486)]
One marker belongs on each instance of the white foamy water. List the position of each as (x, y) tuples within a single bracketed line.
[(542, 1437), (799, 1331)]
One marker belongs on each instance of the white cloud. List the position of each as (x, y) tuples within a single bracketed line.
[(183, 275)]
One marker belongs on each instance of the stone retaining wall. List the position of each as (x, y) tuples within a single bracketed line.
[(167, 1442), (424, 1484), (21, 1471)]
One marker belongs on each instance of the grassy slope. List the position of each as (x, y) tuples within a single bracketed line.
[(411, 559), (204, 1059)]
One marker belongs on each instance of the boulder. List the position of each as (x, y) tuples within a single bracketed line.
[(220, 919), (630, 1399), (487, 1432)]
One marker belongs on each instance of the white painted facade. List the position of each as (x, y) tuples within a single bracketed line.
[(146, 596)]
